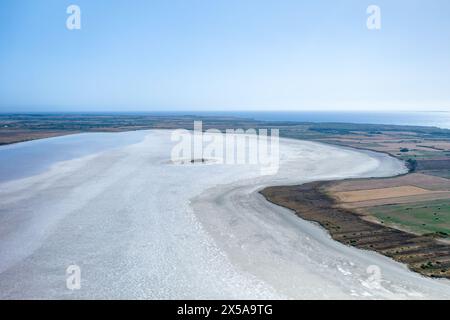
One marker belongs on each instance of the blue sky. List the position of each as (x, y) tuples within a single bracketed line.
[(144, 55)]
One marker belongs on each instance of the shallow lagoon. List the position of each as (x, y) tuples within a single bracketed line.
[(23, 159)]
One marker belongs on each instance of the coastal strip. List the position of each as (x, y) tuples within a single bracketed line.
[(421, 253)]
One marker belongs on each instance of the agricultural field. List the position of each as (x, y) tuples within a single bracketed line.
[(417, 202), (421, 217), (438, 173), (382, 193)]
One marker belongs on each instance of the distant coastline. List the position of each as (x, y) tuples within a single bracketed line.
[(440, 119), (20, 127)]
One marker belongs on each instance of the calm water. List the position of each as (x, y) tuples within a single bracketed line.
[(29, 158), (437, 119)]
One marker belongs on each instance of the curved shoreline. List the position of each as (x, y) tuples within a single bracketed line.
[(240, 215), (187, 231)]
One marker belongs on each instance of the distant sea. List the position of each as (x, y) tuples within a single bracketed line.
[(439, 119), (436, 119)]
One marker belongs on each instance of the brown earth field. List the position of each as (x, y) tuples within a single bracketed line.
[(15, 136), (381, 193), (410, 188)]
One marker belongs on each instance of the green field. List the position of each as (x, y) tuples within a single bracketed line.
[(422, 154), (422, 217), (438, 173)]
